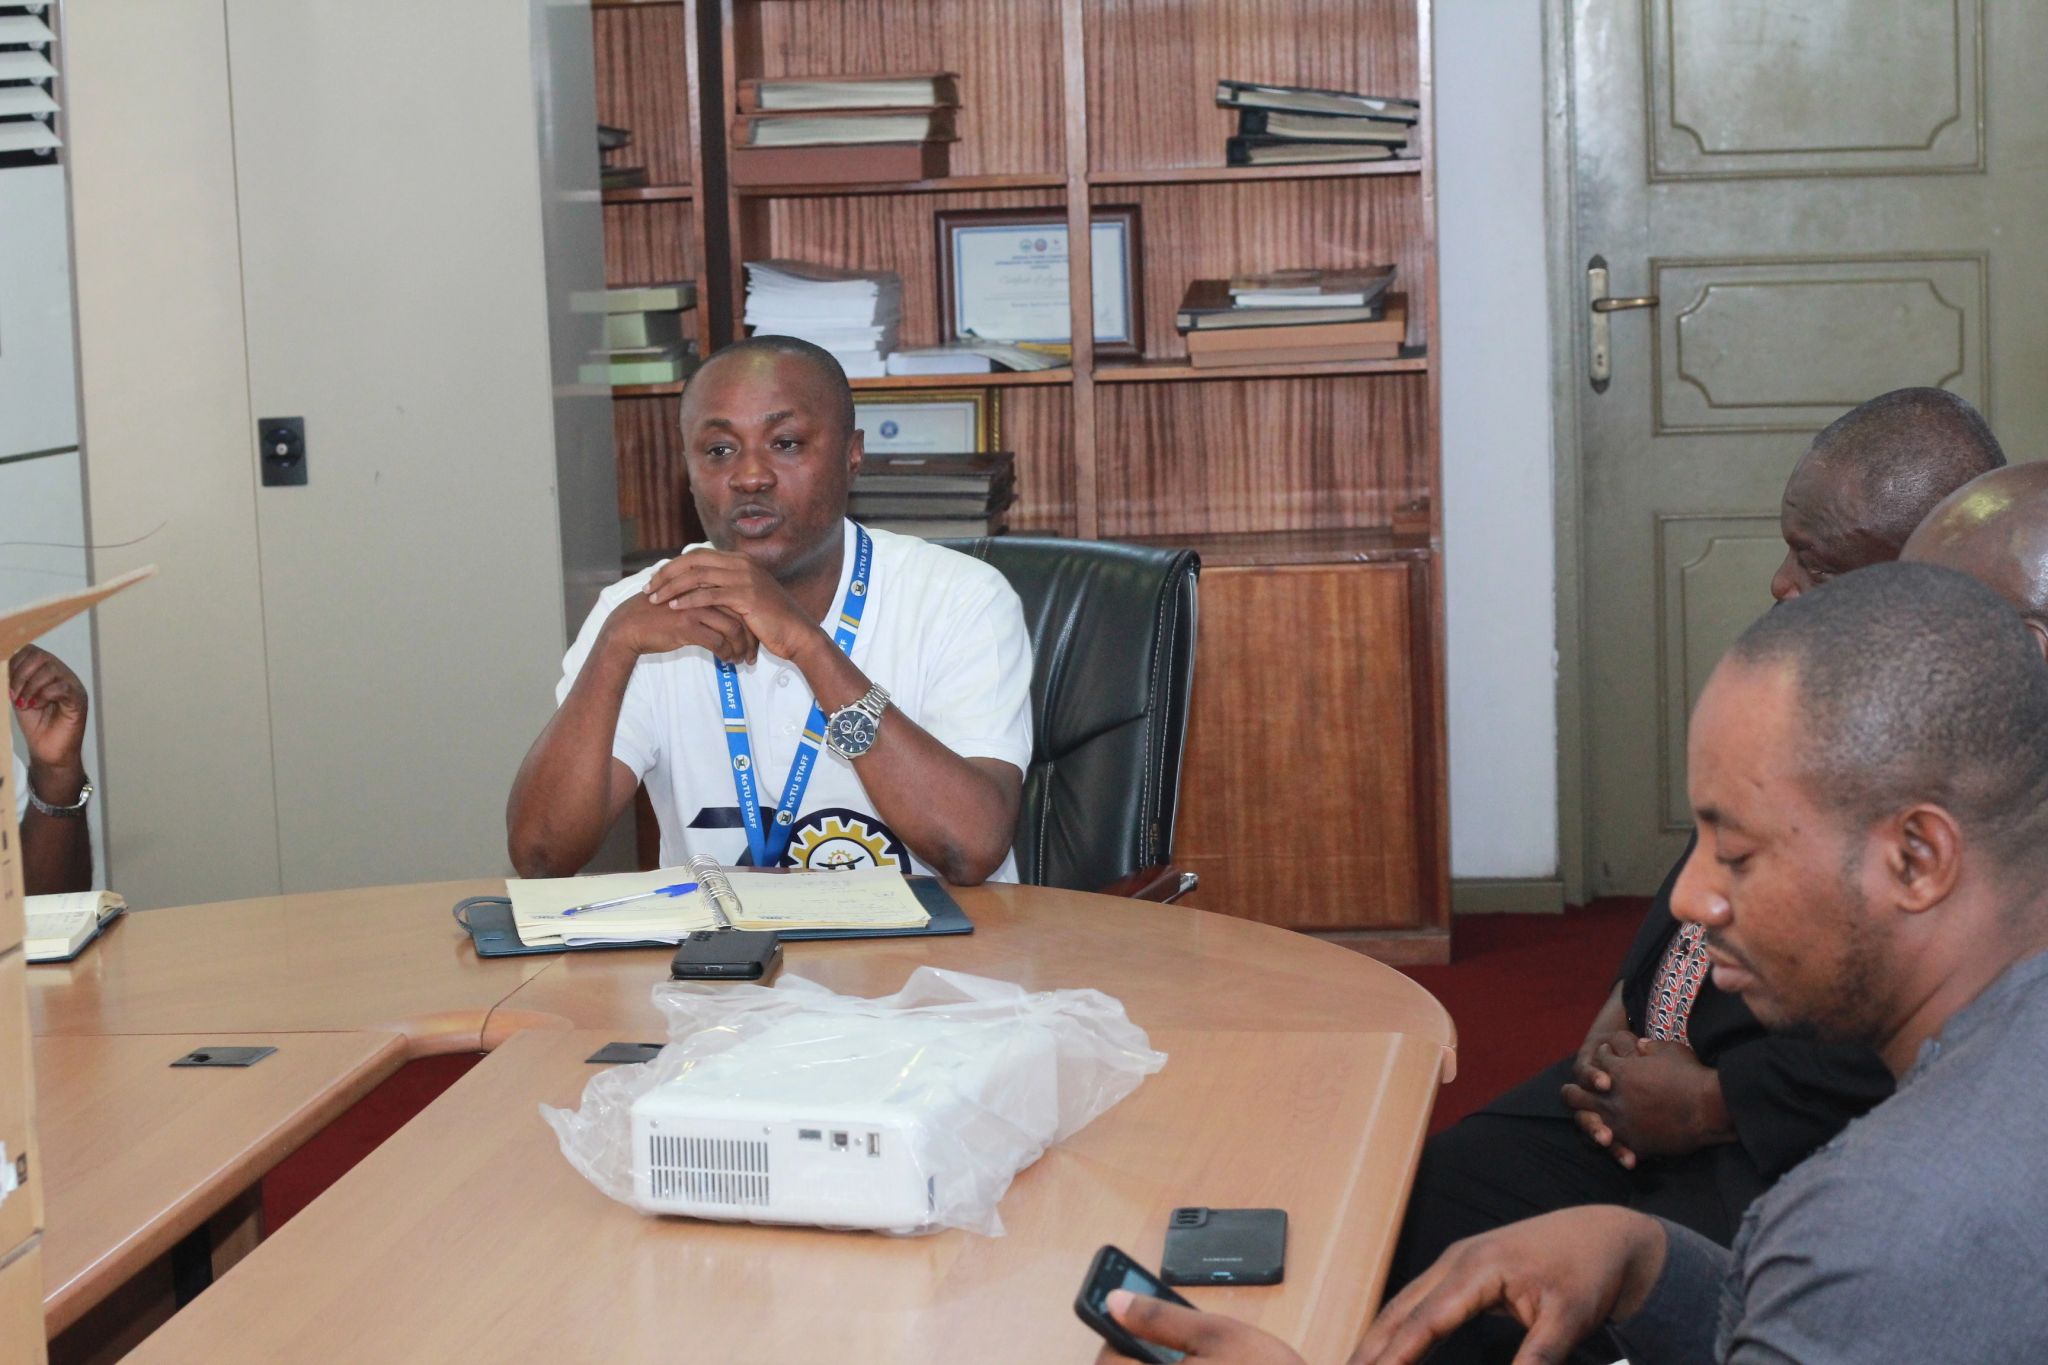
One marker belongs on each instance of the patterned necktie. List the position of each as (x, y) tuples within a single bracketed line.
[(1678, 984)]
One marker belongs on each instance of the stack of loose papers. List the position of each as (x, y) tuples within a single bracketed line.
[(869, 899), (852, 314)]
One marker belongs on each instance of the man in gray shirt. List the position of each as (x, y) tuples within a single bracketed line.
[(1869, 774)]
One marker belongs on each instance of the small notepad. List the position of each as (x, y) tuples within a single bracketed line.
[(60, 926)]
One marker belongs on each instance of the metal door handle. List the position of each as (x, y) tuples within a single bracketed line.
[(1599, 361)]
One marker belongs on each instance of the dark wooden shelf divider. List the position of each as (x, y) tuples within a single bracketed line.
[(648, 194), (1198, 175), (952, 184)]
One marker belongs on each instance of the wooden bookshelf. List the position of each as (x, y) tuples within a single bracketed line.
[(1322, 620), (653, 78)]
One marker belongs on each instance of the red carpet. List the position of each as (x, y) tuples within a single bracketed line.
[(1522, 991), (328, 1156)]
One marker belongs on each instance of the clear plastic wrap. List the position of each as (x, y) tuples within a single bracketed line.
[(908, 1113)]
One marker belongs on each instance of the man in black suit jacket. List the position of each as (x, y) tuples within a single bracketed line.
[(1678, 1103)]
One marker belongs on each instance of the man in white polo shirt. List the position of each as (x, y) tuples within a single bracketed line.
[(864, 697)]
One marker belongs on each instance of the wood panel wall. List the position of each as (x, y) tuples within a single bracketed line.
[(652, 243), (643, 83), (1265, 455), (1038, 424), (654, 494), (1278, 829)]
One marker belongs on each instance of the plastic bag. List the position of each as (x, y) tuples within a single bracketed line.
[(908, 1113)]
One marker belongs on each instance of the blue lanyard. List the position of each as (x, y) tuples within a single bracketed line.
[(768, 848)]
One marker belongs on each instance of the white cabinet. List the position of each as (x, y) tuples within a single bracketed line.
[(370, 215)]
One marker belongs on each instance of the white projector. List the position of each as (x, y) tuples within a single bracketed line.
[(845, 1122)]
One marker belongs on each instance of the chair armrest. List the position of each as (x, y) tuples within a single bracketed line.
[(1161, 882)]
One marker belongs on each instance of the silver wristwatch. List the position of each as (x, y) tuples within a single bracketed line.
[(851, 730), (71, 811)]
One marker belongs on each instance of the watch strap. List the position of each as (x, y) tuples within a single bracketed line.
[(71, 811), (874, 701)]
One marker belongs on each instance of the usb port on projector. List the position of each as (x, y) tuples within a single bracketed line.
[(808, 1135), (874, 1144)]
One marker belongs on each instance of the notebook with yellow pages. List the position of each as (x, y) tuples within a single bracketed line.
[(59, 927), (658, 908)]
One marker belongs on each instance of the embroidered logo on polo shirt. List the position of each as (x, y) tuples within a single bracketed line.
[(840, 840)]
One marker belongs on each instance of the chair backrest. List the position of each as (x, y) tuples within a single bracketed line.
[(1113, 646)]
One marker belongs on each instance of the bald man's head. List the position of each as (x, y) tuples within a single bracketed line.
[(823, 367), (1872, 476), (1995, 529)]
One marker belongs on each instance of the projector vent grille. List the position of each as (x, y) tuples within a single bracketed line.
[(731, 1171)]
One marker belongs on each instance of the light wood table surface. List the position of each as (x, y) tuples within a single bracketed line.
[(1171, 967), (137, 1153), (1302, 1075), (469, 1237), (388, 959)]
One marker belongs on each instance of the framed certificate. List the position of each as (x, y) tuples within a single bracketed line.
[(1003, 277), (940, 422)]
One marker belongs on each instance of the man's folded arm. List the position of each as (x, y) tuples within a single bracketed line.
[(957, 814), (576, 780), (978, 710)]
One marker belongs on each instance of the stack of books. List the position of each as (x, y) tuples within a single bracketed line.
[(845, 130), (935, 495), (1294, 317), (645, 336), (850, 313), (1278, 124)]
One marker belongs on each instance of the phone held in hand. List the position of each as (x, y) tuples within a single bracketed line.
[(1225, 1246), (1112, 1269)]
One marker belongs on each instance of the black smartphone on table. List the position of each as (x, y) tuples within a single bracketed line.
[(1112, 1269), (726, 955), (1225, 1246)]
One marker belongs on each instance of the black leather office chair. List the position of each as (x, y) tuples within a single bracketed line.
[(1113, 641)]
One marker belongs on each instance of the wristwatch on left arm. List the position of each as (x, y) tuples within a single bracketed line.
[(851, 730), (72, 811)]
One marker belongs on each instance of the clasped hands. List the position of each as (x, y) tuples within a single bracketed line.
[(1641, 1097), (718, 599)]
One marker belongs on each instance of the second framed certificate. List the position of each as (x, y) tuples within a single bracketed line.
[(940, 422), (1003, 277)]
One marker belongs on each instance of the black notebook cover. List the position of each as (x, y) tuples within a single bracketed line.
[(489, 922)]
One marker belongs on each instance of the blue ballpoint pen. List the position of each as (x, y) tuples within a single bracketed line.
[(679, 889)]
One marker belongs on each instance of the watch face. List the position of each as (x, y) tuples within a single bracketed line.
[(851, 732)]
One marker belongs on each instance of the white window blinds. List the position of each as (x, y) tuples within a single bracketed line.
[(28, 99)]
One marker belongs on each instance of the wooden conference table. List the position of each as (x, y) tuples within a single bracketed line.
[(1300, 1075)]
